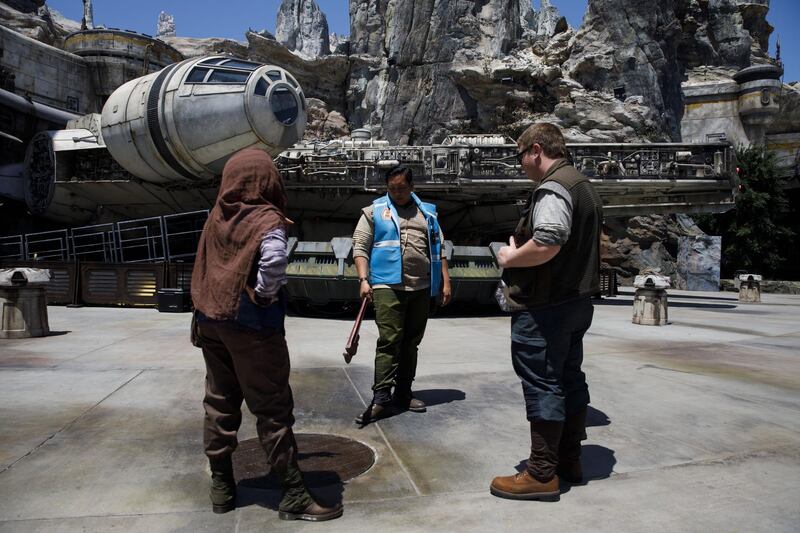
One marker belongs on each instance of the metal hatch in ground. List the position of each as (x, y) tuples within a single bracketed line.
[(324, 459)]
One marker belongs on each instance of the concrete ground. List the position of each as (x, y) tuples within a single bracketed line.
[(694, 426)]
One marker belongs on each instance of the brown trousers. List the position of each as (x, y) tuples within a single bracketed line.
[(242, 363)]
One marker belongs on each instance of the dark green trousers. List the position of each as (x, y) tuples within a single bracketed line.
[(401, 317)]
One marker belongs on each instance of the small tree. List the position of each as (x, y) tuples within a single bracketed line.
[(755, 234)]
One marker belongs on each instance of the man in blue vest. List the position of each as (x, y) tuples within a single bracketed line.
[(397, 249)]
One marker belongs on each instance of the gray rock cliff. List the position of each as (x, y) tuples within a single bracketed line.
[(417, 70), (303, 28)]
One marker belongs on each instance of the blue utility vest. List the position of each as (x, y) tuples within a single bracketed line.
[(386, 262)]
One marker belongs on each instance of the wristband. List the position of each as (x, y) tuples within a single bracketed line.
[(363, 279)]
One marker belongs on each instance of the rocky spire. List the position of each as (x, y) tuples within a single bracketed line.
[(543, 24), (87, 23), (549, 21), (303, 28), (165, 26)]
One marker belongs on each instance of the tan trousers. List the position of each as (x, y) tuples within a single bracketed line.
[(242, 363)]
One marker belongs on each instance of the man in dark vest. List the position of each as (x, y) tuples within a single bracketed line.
[(551, 270), (397, 248)]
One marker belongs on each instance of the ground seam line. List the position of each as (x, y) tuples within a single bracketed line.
[(383, 436), (70, 423), (138, 334)]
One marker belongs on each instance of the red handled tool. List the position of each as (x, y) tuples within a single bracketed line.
[(351, 347)]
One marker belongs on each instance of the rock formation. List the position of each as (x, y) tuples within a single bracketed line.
[(549, 21), (87, 22), (417, 70), (25, 6), (165, 26), (35, 20), (339, 44), (303, 28), (324, 124)]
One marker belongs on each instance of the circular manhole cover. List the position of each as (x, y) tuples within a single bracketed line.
[(324, 459)]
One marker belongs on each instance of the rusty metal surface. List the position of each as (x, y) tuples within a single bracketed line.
[(324, 459)]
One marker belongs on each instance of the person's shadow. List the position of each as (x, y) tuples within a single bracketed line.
[(431, 398), (597, 461), (434, 397)]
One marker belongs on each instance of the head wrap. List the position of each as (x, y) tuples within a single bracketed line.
[(251, 202)]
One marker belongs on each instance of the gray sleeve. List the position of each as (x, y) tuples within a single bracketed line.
[(272, 263), (363, 234), (552, 215)]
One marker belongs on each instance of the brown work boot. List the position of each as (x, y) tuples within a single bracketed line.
[(569, 450), (539, 480), (522, 486), (223, 485)]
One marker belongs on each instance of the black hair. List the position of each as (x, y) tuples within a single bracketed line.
[(401, 169)]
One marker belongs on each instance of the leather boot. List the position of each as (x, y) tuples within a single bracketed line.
[(539, 480), (569, 451), (380, 407), (404, 400), (374, 412), (223, 485), (297, 503), (522, 486)]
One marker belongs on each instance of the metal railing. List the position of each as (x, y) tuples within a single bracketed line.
[(12, 247), (158, 239)]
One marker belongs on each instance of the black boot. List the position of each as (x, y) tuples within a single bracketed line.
[(297, 503), (569, 451), (223, 485)]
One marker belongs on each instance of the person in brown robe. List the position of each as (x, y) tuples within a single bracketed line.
[(240, 309)]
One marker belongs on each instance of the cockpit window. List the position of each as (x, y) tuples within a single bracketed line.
[(228, 76), (291, 81), (237, 63), (274, 75), (261, 87), (197, 75), (284, 105)]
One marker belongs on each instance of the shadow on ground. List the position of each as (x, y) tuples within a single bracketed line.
[(431, 398), (325, 486)]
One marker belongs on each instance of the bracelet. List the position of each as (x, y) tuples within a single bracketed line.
[(363, 279)]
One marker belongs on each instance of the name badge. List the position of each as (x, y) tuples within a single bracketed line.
[(387, 214)]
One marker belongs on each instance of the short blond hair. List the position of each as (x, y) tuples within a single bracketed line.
[(546, 135)]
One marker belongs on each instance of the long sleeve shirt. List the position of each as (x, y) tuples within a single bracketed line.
[(272, 264)]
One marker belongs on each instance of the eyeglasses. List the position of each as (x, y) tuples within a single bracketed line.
[(521, 154), (400, 189)]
